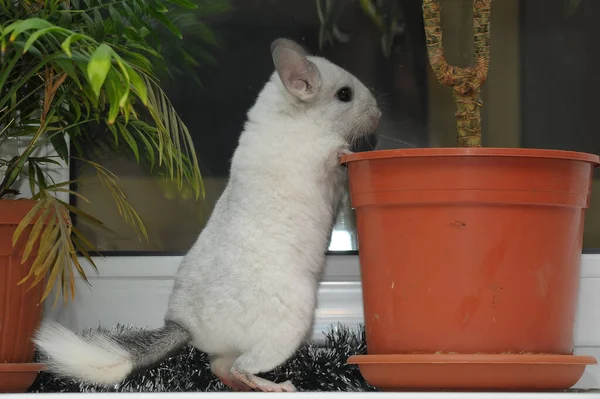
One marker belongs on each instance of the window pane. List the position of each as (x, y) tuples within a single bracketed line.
[(539, 93)]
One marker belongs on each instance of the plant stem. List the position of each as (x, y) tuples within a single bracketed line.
[(51, 87), (466, 82)]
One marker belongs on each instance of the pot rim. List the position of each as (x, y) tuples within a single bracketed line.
[(471, 152), (481, 358), (12, 211), (22, 367)]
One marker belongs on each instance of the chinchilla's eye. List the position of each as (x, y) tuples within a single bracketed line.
[(344, 94)]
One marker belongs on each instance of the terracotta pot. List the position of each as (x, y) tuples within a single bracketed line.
[(472, 372), (20, 308), (470, 250), (18, 377)]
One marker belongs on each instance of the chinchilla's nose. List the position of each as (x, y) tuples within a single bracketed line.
[(375, 117)]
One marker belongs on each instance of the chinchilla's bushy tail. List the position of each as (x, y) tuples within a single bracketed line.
[(106, 358)]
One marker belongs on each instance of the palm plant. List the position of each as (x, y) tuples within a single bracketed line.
[(78, 70)]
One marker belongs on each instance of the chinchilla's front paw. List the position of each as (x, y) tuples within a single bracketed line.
[(344, 151)]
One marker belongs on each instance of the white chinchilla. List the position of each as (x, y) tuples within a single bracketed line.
[(246, 291)]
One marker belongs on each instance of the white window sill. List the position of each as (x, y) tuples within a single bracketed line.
[(134, 290)]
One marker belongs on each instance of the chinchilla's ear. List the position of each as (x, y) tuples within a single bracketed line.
[(292, 45), (299, 76)]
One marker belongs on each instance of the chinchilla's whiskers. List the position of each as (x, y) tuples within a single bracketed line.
[(356, 134), (382, 102), (397, 140), (396, 124), (387, 125), (380, 94)]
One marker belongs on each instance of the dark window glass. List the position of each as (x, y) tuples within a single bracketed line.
[(540, 93)]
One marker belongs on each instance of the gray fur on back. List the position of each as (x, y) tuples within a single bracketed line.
[(149, 347)]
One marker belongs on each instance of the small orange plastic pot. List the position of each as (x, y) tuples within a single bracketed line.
[(470, 250)]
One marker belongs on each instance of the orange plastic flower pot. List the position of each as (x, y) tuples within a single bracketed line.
[(470, 250), (20, 308)]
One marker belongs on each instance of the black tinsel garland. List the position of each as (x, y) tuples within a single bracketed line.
[(314, 367)]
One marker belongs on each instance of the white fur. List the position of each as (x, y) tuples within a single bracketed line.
[(246, 291), (247, 288), (94, 358)]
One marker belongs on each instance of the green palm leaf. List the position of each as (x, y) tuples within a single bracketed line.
[(68, 68)]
